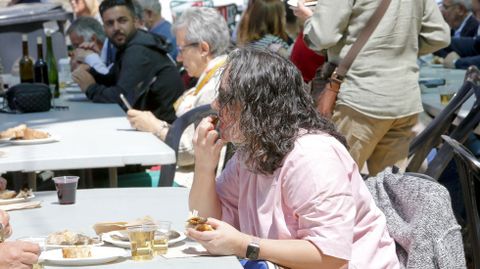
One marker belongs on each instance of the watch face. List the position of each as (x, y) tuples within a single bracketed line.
[(252, 251)]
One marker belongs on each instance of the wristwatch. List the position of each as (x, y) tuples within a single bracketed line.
[(253, 249), (2, 233)]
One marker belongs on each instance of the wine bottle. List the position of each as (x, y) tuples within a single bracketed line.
[(26, 63), (52, 67), (41, 69)]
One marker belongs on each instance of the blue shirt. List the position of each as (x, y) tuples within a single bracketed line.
[(164, 28)]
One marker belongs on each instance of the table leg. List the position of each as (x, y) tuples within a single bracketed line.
[(32, 180), (113, 177)]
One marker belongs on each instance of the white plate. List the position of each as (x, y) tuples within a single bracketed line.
[(77, 97), (49, 246), (49, 139), (73, 90), (100, 255), (15, 200), (5, 140), (107, 237), (294, 3)]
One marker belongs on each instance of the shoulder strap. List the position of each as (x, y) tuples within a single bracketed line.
[(362, 38)]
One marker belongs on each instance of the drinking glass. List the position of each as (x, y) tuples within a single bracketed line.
[(160, 244), (141, 241)]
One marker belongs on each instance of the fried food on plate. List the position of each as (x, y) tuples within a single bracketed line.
[(23, 132)]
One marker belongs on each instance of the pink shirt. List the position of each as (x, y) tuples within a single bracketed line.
[(317, 195)]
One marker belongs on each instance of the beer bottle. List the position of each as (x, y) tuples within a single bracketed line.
[(41, 69), (52, 68), (26, 63)]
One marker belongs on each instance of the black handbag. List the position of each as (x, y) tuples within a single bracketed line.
[(29, 97)]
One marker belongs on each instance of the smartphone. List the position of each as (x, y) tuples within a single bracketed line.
[(125, 101)]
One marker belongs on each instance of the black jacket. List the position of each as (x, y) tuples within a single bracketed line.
[(144, 73)]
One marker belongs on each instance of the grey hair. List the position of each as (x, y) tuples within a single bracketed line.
[(86, 27), (204, 24), (466, 3), (153, 5), (138, 10)]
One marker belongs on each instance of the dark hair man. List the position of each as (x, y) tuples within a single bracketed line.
[(142, 71)]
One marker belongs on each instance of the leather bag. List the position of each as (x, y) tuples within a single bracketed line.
[(29, 97), (328, 78)]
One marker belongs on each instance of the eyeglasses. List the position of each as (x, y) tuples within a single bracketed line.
[(182, 48)]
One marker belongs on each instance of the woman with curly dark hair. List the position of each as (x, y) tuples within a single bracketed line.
[(291, 194)]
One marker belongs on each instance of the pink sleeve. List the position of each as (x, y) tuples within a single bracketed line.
[(227, 191), (317, 187)]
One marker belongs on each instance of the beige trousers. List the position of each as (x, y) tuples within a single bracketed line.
[(378, 142)]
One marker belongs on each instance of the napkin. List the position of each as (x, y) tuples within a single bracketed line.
[(189, 249), (105, 227), (18, 206)]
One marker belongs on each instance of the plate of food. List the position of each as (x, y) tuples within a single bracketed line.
[(69, 238), (22, 135), (120, 238), (11, 197), (307, 3), (81, 255)]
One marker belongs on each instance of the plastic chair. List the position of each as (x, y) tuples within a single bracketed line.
[(469, 170), (167, 173), (430, 137)]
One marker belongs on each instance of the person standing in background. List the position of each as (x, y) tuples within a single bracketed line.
[(379, 100), (155, 23)]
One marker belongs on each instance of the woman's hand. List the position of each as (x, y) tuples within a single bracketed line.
[(18, 255), (5, 221), (224, 240), (145, 121), (301, 11), (207, 145)]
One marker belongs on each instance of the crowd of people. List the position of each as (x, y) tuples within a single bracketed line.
[(292, 193)]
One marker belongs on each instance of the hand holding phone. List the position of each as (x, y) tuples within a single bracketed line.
[(125, 101)]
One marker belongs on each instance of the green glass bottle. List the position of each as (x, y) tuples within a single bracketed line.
[(41, 70), (52, 67), (26, 63)]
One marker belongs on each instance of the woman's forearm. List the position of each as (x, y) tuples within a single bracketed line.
[(295, 254), (203, 196)]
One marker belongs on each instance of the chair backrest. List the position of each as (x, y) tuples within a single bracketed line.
[(167, 173), (430, 137), (469, 171)]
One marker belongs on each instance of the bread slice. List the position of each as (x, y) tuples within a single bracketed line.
[(75, 252)]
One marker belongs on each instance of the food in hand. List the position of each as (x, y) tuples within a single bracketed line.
[(76, 252), (69, 238), (23, 132), (199, 224)]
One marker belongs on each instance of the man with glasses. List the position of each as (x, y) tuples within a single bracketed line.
[(142, 70), (458, 15)]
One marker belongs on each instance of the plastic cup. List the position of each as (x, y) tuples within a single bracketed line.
[(66, 189), (141, 241), (160, 244)]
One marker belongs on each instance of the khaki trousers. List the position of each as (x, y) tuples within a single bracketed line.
[(378, 142)]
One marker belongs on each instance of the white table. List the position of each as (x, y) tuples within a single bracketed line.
[(113, 204), (431, 96), (90, 136)]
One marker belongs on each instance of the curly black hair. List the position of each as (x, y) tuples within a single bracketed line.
[(275, 106)]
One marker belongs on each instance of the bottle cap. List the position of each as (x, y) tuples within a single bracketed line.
[(24, 37), (39, 40)]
